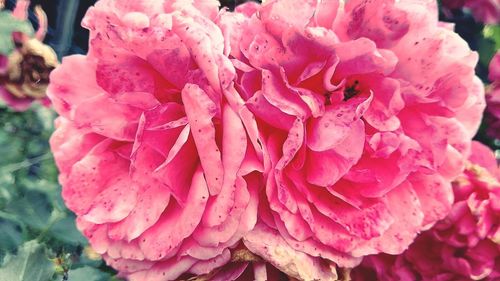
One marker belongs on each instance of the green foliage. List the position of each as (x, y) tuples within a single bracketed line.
[(88, 273), (9, 24), (30, 264), (34, 223), (489, 44)]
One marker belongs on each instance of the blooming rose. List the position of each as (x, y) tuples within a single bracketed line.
[(365, 111), (25, 69), (463, 246), (493, 98), (485, 11), (157, 159)]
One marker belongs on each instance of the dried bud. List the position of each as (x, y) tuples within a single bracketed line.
[(28, 70)]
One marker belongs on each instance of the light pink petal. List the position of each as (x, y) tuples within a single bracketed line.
[(435, 196), (234, 146), (326, 167), (85, 181), (200, 110), (405, 208), (67, 90), (267, 244), (248, 8), (91, 114), (176, 223), (114, 203), (336, 124), (282, 14), (167, 270), (150, 205), (205, 267), (378, 20), (484, 157)]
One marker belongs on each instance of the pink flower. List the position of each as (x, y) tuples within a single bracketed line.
[(485, 11), (492, 115), (463, 246), (365, 112), (157, 159), (494, 68)]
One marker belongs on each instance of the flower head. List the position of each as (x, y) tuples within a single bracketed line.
[(463, 246), (25, 62), (492, 115), (365, 111), (155, 158), (313, 132), (485, 11)]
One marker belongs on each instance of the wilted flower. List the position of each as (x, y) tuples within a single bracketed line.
[(463, 246), (24, 70), (154, 158), (365, 111)]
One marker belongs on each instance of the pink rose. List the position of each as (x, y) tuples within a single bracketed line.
[(365, 112), (485, 11), (453, 4), (492, 115), (463, 246), (156, 158)]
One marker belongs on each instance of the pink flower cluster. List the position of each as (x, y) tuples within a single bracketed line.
[(309, 133), (463, 246)]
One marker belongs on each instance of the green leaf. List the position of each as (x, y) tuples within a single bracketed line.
[(30, 264), (33, 209), (492, 32), (88, 273), (65, 230), (10, 236), (486, 51), (9, 24)]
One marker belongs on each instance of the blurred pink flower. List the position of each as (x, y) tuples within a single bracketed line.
[(463, 246), (485, 11), (154, 158), (492, 115), (365, 114)]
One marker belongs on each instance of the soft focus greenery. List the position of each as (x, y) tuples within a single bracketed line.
[(9, 24), (33, 218)]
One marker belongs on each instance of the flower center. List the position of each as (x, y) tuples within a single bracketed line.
[(351, 90)]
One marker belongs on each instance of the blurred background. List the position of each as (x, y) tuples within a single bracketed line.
[(35, 227)]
